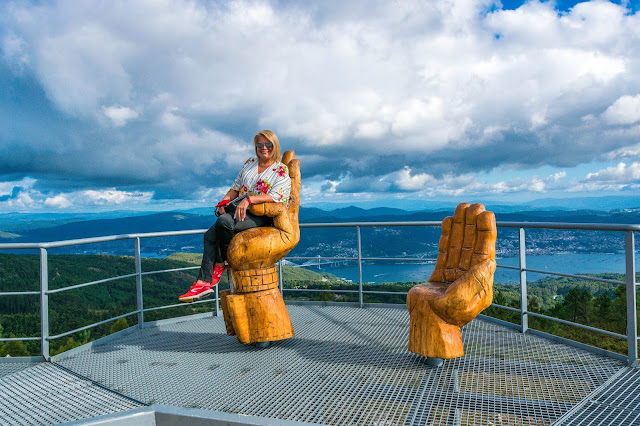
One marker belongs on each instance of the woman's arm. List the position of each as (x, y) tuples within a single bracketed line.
[(241, 210), (232, 194)]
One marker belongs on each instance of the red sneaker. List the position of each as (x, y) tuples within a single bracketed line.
[(196, 292), (217, 273)]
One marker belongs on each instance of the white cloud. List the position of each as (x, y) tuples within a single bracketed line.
[(325, 81), (620, 174), (112, 197), (625, 110), (413, 87), (119, 115), (627, 151), (58, 201), (405, 182), (19, 195), (22, 202), (453, 185), (7, 188)]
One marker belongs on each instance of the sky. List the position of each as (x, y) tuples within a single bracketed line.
[(153, 104)]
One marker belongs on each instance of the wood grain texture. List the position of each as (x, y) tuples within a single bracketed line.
[(460, 287), (255, 310)]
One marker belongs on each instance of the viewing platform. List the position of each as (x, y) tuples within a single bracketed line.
[(347, 364)]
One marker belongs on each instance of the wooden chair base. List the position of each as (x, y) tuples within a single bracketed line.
[(255, 310), (431, 336)]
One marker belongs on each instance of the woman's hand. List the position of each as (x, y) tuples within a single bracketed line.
[(241, 210), (221, 204)]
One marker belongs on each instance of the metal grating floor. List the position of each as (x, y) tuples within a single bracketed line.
[(348, 365), (48, 394), (615, 403), (7, 368)]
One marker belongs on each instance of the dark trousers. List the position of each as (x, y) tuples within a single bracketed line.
[(218, 238)]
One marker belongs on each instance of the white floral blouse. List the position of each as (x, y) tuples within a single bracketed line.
[(274, 181)]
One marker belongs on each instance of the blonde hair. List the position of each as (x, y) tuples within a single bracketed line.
[(271, 137)]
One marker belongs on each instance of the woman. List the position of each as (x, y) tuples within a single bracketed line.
[(263, 179)]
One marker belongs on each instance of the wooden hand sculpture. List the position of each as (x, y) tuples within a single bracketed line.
[(255, 310), (460, 287)]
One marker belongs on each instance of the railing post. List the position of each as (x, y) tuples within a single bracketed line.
[(280, 276), (522, 254), (359, 266), (139, 284), (632, 320), (217, 291), (44, 304)]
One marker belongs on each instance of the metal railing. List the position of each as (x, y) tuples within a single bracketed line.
[(630, 273)]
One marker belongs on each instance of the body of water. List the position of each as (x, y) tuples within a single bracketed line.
[(567, 263)]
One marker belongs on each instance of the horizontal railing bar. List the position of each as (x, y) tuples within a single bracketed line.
[(515, 268), (93, 240), (536, 225), (586, 327), (92, 325), (584, 277), (500, 224), (320, 290), (324, 290), (19, 293), (157, 308), (508, 308), (369, 224), (402, 259), (319, 258), (170, 270), (72, 287), (572, 226), (576, 344), (395, 259), (13, 339)]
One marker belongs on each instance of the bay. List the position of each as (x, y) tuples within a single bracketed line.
[(565, 263)]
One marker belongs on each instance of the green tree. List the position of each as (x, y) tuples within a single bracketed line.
[(603, 306), (619, 308), (577, 304), (14, 348), (534, 304), (500, 299), (85, 336), (120, 324), (586, 305), (69, 344)]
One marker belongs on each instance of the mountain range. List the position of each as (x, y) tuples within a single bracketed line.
[(51, 227)]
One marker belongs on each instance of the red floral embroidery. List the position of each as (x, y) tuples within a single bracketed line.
[(262, 186), (281, 171)]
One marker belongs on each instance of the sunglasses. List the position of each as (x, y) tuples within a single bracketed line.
[(261, 145)]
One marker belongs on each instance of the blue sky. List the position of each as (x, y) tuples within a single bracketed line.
[(154, 104)]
